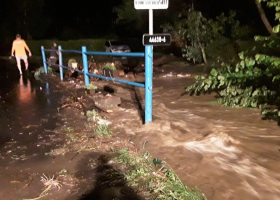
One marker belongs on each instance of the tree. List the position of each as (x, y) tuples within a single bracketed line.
[(263, 16), (252, 82), (194, 33)]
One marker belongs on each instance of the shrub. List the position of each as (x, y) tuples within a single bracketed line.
[(109, 66), (91, 86)]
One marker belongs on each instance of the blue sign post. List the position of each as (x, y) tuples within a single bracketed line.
[(148, 83), (85, 63), (150, 5)]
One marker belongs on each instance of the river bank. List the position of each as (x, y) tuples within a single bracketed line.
[(202, 141)]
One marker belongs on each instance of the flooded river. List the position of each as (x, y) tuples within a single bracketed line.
[(229, 154)]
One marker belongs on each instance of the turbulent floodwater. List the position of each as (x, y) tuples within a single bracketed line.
[(230, 154)]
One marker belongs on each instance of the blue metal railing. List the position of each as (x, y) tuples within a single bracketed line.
[(148, 71)]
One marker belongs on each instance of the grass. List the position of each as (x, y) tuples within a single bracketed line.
[(91, 44), (103, 130), (93, 119), (154, 178), (149, 177)]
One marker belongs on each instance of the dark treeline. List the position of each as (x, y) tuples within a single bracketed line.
[(63, 19), (71, 19)]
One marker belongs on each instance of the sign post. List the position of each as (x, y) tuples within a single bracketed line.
[(149, 5)]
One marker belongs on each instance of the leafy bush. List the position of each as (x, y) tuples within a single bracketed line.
[(216, 51), (109, 66), (194, 33), (253, 82), (41, 70)]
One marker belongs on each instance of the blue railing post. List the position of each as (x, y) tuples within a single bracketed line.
[(85, 63), (148, 83), (44, 59), (60, 62)]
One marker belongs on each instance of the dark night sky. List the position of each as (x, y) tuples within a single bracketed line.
[(71, 19)]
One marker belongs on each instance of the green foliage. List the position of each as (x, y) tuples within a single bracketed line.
[(91, 86), (41, 70), (228, 26), (92, 115), (252, 82), (103, 130), (192, 29), (109, 66), (91, 44), (155, 178), (216, 53), (195, 33)]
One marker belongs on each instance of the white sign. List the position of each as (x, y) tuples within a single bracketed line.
[(151, 4), (157, 39)]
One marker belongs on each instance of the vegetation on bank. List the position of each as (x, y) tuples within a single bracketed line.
[(149, 178), (154, 177), (201, 38), (253, 81), (91, 44)]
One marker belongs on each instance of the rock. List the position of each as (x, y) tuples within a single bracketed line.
[(106, 102)]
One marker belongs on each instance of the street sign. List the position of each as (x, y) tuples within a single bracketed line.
[(151, 4), (157, 39)]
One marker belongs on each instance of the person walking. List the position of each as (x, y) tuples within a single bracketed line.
[(19, 47), (54, 54)]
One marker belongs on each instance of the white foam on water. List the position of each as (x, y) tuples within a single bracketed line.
[(214, 143), (268, 136), (255, 178), (250, 188), (217, 147), (222, 150)]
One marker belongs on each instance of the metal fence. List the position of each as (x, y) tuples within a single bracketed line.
[(84, 53)]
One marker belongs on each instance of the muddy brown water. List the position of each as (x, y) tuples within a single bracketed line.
[(229, 154)]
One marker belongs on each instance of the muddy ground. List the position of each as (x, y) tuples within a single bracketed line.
[(229, 154)]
